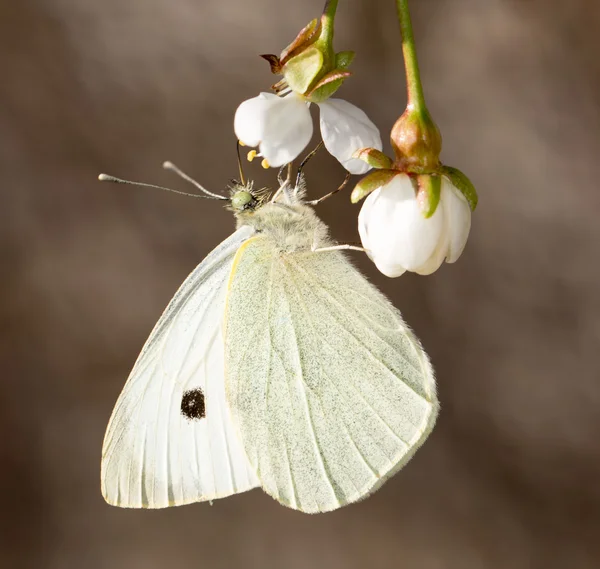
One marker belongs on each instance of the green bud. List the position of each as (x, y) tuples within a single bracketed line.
[(370, 183), (428, 188), (374, 158), (343, 59), (462, 184), (417, 142)]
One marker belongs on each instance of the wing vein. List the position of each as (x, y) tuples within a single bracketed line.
[(357, 340), (147, 460), (291, 473), (303, 387), (402, 327), (358, 393)]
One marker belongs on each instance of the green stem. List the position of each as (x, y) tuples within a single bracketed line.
[(327, 22), (416, 99)]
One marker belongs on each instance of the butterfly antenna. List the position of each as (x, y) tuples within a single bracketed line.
[(170, 166), (112, 179), (306, 159), (241, 170)]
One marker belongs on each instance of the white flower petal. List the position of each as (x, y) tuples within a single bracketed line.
[(250, 118), (389, 270), (458, 219), (345, 129), (397, 234), (280, 126), (437, 258)]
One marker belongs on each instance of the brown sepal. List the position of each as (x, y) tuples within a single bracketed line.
[(274, 62), (329, 78)]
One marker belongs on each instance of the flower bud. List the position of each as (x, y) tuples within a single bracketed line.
[(398, 237)]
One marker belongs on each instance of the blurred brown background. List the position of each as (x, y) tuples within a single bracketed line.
[(509, 478)]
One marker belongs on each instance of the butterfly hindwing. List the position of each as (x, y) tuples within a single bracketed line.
[(329, 389), (170, 439)]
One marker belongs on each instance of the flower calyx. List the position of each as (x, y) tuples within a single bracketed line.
[(462, 183), (309, 65), (372, 182), (307, 36), (427, 186), (416, 141)]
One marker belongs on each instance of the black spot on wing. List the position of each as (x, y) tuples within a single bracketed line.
[(192, 404)]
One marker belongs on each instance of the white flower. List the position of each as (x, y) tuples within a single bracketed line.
[(282, 127), (399, 238)]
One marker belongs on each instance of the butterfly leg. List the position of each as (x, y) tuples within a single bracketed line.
[(342, 186), (239, 159), (280, 179), (283, 183), (344, 247), (303, 163)]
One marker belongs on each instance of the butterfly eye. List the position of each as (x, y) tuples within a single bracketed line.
[(192, 404), (243, 200)]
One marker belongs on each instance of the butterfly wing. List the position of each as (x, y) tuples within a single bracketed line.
[(159, 449), (329, 389)]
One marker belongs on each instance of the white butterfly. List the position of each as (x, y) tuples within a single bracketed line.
[(277, 365)]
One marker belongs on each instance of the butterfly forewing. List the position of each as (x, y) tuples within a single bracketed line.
[(330, 391), (170, 440)]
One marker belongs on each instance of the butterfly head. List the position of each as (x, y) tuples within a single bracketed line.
[(245, 199)]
